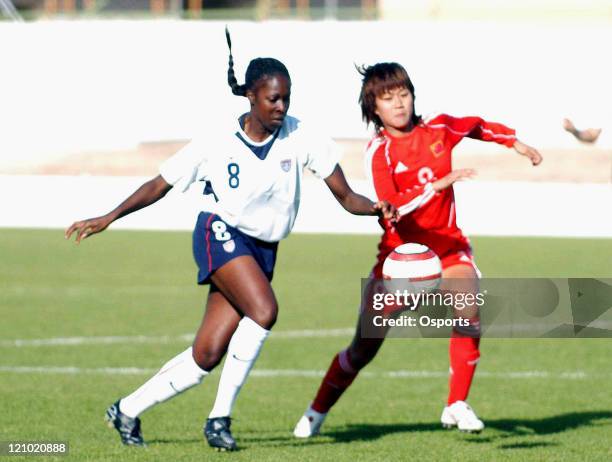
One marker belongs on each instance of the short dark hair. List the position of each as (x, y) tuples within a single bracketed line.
[(378, 79), (258, 69)]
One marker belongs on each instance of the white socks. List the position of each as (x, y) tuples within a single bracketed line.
[(176, 376), (182, 373), (241, 355)]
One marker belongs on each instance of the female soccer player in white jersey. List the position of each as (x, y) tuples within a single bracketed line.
[(409, 161), (252, 175)]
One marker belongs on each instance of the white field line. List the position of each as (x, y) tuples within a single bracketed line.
[(271, 373), (506, 330), (107, 340), (515, 329)]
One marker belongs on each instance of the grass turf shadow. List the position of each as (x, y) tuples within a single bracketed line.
[(507, 428), (369, 432), (549, 425)]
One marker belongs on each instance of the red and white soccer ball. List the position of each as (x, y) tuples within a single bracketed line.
[(413, 267)]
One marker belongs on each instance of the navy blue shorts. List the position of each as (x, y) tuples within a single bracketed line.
[(215, 243)]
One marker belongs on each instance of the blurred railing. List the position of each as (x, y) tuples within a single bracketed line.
[(202, 9), (497, 10)]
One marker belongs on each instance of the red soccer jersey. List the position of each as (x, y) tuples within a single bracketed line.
[(403, 169)]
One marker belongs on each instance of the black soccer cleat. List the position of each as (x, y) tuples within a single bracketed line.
[(217, 433), (127, 427)]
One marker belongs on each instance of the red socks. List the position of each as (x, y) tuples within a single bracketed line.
[(463, 352), (464, 355), (339, 377)]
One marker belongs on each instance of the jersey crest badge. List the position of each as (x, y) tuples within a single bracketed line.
[(285, 165), (229, 246), (400, 168), (437, 148)]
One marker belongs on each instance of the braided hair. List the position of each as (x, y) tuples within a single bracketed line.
[(258, 69), (379, 79)]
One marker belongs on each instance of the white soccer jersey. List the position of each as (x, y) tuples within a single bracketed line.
[(254, 187)]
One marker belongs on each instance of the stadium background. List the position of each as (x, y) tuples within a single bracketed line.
[(96, 94)]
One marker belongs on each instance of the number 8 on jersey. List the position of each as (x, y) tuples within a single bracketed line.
[(233, 169)]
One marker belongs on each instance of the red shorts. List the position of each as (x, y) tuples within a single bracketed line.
[(457, 256)]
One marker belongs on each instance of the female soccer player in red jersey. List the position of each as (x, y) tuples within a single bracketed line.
[(409, 162)]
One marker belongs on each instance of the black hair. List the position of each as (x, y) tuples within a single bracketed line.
[(258, 69), (378, 79)]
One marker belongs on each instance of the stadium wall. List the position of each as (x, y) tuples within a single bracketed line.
[(77, 85), (483, 208)]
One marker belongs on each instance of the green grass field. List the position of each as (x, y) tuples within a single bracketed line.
[(143, 283)]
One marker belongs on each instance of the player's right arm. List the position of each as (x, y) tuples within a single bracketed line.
[(411, 199), (149, 193), (179, 170)]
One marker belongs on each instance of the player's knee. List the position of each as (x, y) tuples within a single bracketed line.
[(471, 328), (207, 357), (360, 357), (264, 314)]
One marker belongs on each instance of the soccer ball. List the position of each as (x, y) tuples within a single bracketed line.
[(412, 267)]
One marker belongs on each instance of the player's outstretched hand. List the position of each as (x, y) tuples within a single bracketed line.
[(531, 153), (386, 210), (452, 177), (588, 135), (86, 228), (569, 126)]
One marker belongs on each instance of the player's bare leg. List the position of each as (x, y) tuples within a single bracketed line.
[(588, 135), (244, 284), (463, 351), (341, 373), (244, 288), (218, 324)]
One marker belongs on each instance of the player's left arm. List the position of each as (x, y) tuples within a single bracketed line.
[(480, 129), (356, 203), (531, 153)]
